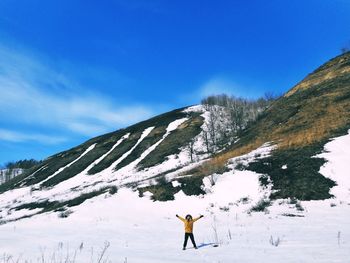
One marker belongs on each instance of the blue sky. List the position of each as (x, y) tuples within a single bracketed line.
[(71, 70)]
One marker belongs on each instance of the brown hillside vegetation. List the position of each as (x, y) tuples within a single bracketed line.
[(310, 112)]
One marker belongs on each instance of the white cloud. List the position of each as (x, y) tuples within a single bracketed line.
[(13, 136), (217, 86), (32, 93), (224, 85)]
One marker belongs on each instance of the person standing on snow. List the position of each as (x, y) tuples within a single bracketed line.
[(188, 221)]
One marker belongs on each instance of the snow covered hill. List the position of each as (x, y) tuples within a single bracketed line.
[(279, 191), (126, 228), (93, 168)]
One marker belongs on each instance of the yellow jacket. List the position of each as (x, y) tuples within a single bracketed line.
[(188, 224)]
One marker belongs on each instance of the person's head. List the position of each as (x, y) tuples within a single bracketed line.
[(188, 217)]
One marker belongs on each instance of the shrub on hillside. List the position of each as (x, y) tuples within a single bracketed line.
[(192, 185), (261, 205), (113, 190)]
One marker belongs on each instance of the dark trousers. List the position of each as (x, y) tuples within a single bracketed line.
[(189, 235)]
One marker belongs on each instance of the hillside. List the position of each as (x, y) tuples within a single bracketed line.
[(300, 123), (125, 157), (284, 172), (126, 228)]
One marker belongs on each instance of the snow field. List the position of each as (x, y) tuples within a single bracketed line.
[(145, 231), (82, 182), (140, 230)]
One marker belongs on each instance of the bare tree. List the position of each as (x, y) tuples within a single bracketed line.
[(213, 178), (190, 149), (212, 125), (205, 137), (228, 116)]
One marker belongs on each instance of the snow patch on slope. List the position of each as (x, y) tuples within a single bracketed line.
[(131, 168), (337, 167), (111, 169), (106, 154), (62, 190), (259, 153), (195, 108), (71, 163)]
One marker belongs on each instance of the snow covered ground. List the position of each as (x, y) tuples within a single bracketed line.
[(134, 229), (83, 183)]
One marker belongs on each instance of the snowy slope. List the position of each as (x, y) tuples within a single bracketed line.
[(134, 229), (70, 164), (85, 204), (84, 183), (337, 152)]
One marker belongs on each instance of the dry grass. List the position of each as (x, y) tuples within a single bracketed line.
[(303, 117), (318, 128), (330, 70), (218, 163), (243, 149)]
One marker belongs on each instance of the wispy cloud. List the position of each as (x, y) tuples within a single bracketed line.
[(35, 94), (216, 86), (225, 85), (13, 136)]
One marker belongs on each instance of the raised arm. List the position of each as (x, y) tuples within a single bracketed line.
[(181, 218), (197, 218)]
